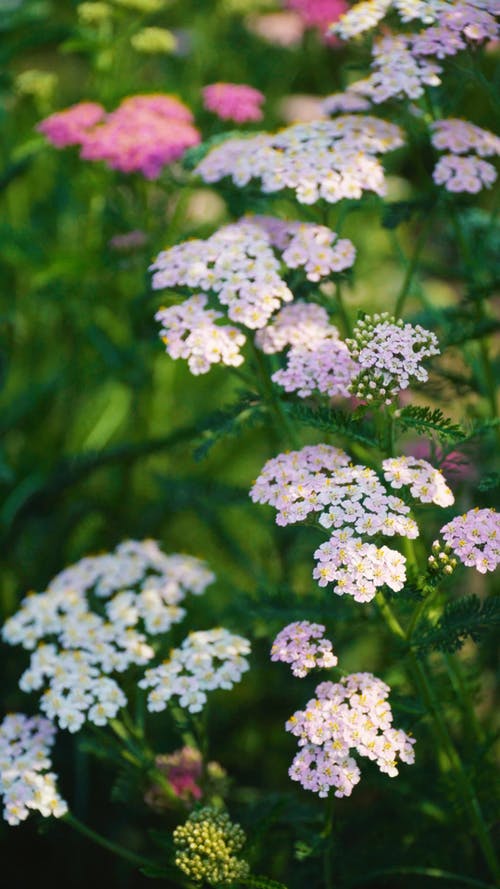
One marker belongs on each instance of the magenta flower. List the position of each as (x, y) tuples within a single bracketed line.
[(70, 126), (318, 13), (233, 101)]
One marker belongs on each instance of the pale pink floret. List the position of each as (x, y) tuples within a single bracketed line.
[(299, 324), (68, 127), (233, 101), (301, 644), (475, 538), (325, 367), (460, 136), (426, 483), (464, 174), (346, 717)]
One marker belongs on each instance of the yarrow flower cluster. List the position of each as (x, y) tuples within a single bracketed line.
[(317, 360), (207, 846), (321, 479), (397, 71), (233, 101), (346, 717), (95, 619), (318, 13), (340, 103), (25, 783), (188, 331), (390, 354), (301, 644), (144, 134), (237, 263), (455, 171), (426, 483), (475, 538), (206, 660), (315, 248), (329, 159)]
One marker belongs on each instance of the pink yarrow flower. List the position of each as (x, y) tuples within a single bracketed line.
[(475, 538), (318, 13), (233, 101), (70, 126), (346, 717), (301, 645)]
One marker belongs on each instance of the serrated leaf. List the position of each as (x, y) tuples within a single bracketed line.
[(246, 413), (331, 420), (466, 618), (489, 482), (426, 420)]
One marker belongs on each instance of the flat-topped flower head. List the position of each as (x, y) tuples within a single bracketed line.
[(329, 159), (426, 483), (236, 263), (206, 660), (207, 847), (189, 331), (461, 136), (144, 134), (346, 102), (326, 367), (348, 717), (471, 21), (358, 569), (301, 644), (315, 248), (26, 785), (390, 355), (298, 324), (318, 13), (468, 174), (69, 127), (96, 619), (475, 538), (397, 71), (352, 502), (233, 101)]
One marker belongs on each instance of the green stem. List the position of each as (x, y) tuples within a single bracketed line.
[(457, 680), (342, 310), (120, 851), (282, 421), (412, 266), (432, 872), (419, 676)]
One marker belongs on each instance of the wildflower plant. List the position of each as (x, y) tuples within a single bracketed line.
[(338, 292)]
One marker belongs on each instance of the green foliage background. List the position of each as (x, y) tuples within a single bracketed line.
[(104, 438)]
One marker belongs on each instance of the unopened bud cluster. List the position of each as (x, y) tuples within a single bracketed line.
[(206, 845), (440, 561)]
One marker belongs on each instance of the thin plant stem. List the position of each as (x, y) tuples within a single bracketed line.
[(111, 846), (434, 873), (412, 266), (284, 426), (342, 310)]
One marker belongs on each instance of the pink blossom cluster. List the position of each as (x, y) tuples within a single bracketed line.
[(329, 159), (183, 770), (346, 717), (470, 173), (426, 483), (397, 71), (69, 127), (237, 263), (142, 135), (233, 101), (358, 569), (189, 331), (318, 13), (390, 354), (452, 24), (475, 538), (301, 644), (349, 498), (25, 783), (464, 174), (297, 324), (315, 248), (326, 367)]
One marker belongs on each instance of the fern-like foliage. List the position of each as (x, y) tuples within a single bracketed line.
[(249, 411), (490, 482), (332, 420), (466, 618), (427, 420), (258, 882)]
